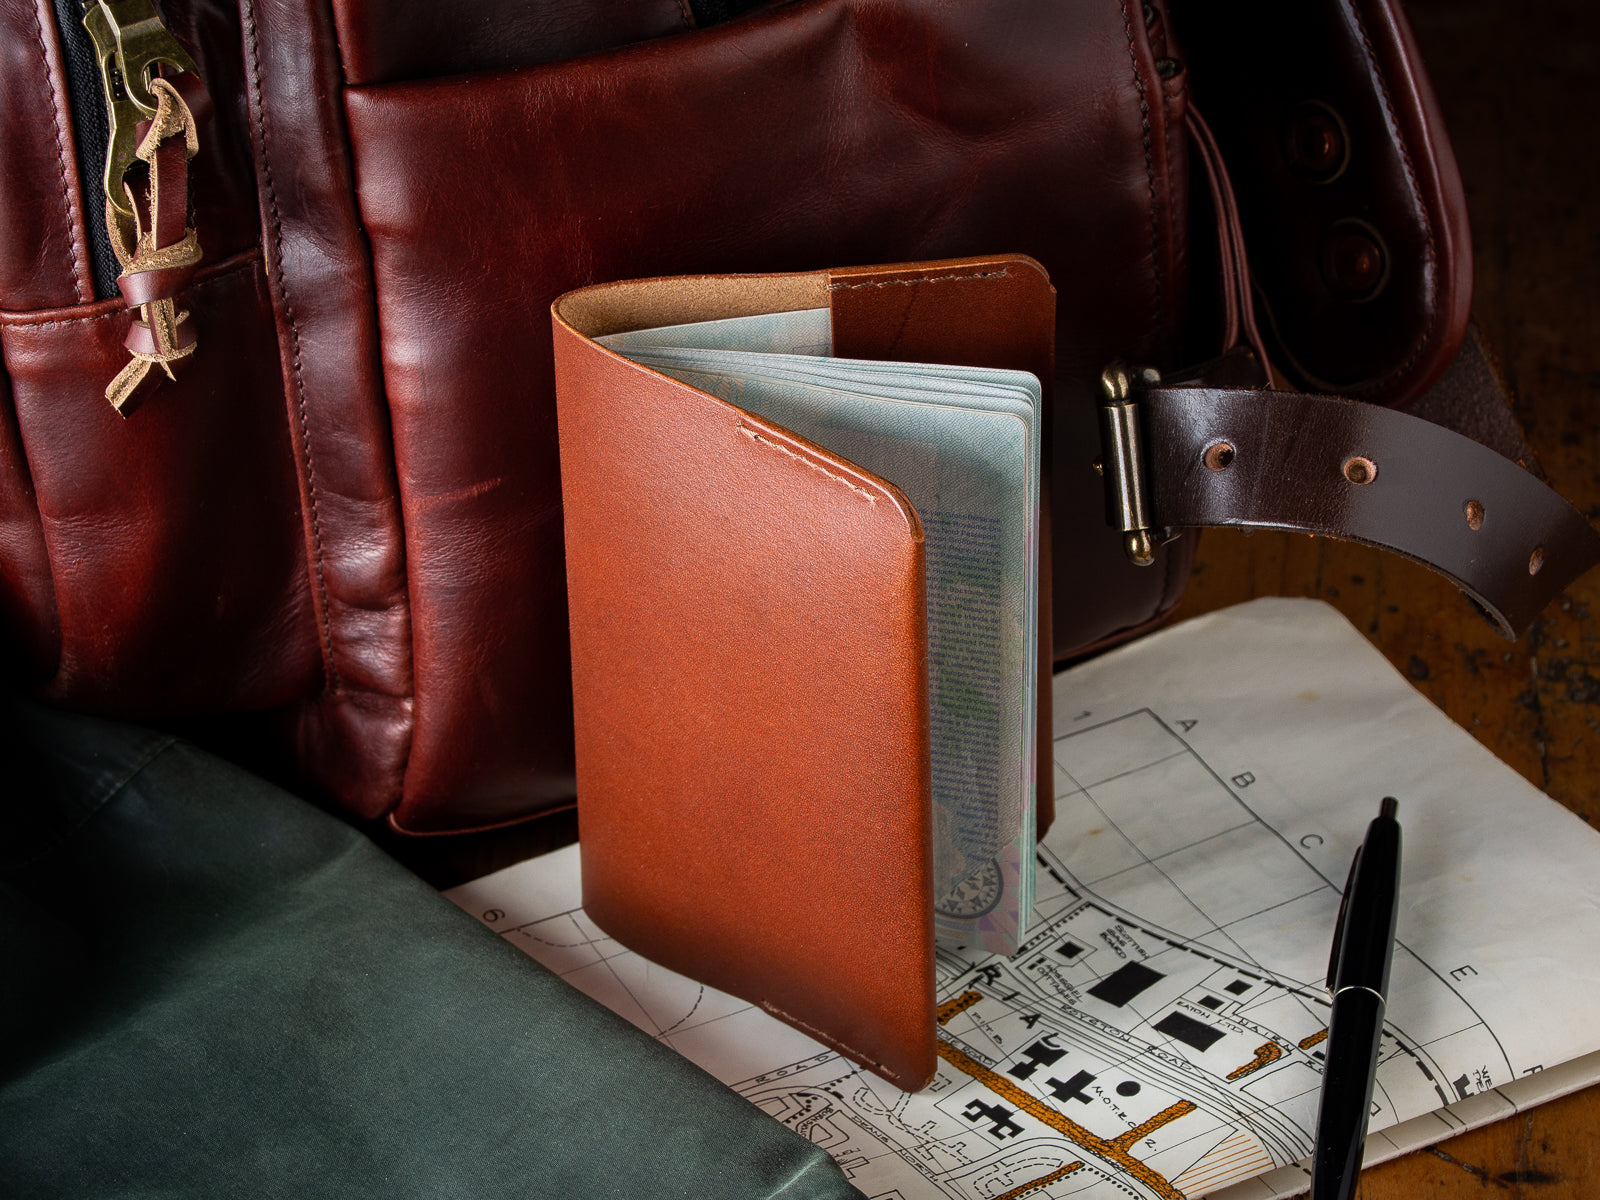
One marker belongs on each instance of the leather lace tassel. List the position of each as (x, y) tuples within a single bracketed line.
[(157, 247)]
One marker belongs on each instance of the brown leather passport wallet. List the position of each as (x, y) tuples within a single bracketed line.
[(750, 652)]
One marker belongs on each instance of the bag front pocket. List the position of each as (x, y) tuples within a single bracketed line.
[(170, 543)]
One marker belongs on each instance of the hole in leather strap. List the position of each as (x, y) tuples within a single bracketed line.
[(1359, 470), (1219, 456)]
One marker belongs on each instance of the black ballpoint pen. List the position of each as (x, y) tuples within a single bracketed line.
[(1358, 977)]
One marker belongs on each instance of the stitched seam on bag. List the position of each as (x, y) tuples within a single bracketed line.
[(1146, 128), (858, 1055), (115, 308), (1416, 194), (1150, 174), (884, 283), (248, 15), (56, 100), (755, 436)]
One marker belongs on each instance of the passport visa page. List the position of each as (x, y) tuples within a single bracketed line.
[(963, 444)]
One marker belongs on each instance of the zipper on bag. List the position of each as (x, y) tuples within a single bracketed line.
[(110, 49), (90, 136)]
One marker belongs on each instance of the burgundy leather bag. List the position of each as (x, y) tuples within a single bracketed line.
[(340, 522)]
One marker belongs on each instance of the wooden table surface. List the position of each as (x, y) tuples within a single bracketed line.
[(1517, 83)]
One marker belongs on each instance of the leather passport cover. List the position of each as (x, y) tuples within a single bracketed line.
[(750, 654)]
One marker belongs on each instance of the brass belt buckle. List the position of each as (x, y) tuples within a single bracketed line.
[(1123, 464)]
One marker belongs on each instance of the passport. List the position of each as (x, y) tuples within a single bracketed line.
[(963, 444)]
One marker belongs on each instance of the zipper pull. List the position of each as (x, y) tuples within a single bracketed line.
[(153, 114), (130, 42)]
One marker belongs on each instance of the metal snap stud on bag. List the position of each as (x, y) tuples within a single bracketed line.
[(1316, 144), (1354, 260)]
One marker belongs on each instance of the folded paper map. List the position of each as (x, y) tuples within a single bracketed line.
[(1159, 1032)]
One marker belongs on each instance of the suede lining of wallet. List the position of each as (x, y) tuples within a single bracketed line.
[(648, 303)]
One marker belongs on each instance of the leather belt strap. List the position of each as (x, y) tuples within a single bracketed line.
[(1351, 470)]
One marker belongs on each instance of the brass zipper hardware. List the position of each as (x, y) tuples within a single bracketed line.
[(154, 99), (130, 42)]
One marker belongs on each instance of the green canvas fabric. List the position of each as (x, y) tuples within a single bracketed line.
[(211, 989)]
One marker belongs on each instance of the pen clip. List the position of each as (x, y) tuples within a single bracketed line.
[(1338, 926)]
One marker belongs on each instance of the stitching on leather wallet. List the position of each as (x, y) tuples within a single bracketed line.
[(831, 1041), (801, 458), (883, 283)]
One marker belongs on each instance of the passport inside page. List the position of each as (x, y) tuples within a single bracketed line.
[(963, 444)]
